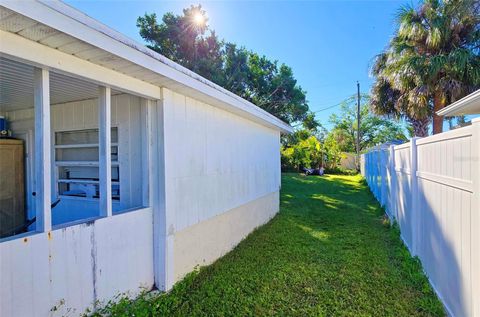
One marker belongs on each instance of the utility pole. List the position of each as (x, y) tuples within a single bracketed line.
[(358, 125)]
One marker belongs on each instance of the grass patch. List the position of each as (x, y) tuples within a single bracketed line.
[(329, 252)]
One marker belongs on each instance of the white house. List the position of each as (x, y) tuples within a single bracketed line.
[(135, 169)]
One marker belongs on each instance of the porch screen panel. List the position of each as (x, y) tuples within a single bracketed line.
[(77, 173)]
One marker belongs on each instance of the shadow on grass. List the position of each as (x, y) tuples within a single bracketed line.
[(327, 253)]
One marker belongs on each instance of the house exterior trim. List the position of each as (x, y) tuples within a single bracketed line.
[(467, 105)]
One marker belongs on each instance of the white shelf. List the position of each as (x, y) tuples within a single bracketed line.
[(66, 197), (82, 163), (80, 146), (82, 181)]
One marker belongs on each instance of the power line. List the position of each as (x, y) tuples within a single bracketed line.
[(321, 123), (366, 82), (329, 107), (333, 106), (351, 97)]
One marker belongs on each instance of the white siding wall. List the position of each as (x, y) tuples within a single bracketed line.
[(436, 203), (71, 268), (215, 161)]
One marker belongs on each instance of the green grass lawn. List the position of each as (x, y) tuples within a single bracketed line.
[(329, 252)]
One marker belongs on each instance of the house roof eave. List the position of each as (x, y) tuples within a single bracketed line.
[(75, 23), (468, 105)]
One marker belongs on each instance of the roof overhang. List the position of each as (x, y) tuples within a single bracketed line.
[(467, 105), (58, 26)]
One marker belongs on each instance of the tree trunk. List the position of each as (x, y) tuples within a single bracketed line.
[(420, 127), (438, 104)]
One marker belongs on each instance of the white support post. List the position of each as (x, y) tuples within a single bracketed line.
[(105, 160), (378, 187), (475, 217), (163, 219), (414, 195), (147, 149), (383, 177), (369, 170), (393, 183), (43, 175), (157, 193)]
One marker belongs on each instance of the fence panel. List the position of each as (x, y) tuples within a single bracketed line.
[(404, 201), (431, 187), (445, 205)]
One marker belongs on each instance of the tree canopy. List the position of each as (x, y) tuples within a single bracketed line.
[(312, 146), (374, 129), (188, 40)]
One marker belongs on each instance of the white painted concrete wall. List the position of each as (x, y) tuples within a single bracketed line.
[(204, 242), (71, 268), (434, 195)]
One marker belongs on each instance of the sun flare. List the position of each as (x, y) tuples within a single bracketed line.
[(199, 19)]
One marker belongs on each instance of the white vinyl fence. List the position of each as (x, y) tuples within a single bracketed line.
[(431, 188)]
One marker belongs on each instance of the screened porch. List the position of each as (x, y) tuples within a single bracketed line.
[(71, 150)]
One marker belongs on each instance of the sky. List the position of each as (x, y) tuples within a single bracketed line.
[(328, 44)]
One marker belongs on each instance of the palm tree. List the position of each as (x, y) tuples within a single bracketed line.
[(399, 102), (432, 60)]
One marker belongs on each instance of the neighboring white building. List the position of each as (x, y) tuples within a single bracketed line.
[(151, 169), (467, 105)]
